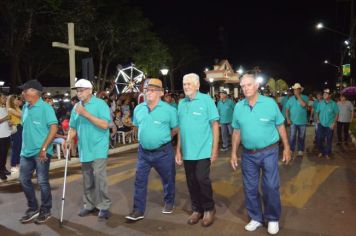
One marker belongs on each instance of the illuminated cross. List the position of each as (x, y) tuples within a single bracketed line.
[(71, 47)]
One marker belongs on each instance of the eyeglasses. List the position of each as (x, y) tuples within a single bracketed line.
[(81, 90), (153, 90)]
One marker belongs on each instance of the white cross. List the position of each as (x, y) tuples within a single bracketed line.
[(71, 49)]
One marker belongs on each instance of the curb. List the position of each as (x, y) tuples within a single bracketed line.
[(61, 163)]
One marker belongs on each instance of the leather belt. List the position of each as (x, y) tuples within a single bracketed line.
[(157, 149), (253, 151)]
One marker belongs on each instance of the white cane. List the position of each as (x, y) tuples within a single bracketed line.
[(64, 182)]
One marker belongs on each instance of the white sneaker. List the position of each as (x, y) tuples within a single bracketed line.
[(300, 153), (14, 169), (253, 225), (273, 227)]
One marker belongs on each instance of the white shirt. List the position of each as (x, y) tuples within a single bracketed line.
[(4, 126)]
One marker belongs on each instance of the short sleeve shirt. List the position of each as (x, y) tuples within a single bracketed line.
[(327, 112), (257, 124), (36, 121), (154, 126), (226, 110), (297, 113), (195, 117), (346, 109), (93, 142)]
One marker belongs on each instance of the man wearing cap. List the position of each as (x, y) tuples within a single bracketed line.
[(40, 125), (258, 124), (296, 115), (157, 123), (198, 142), (327, 115), (225, 108), (90, 120)]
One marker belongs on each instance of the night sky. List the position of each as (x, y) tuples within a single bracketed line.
[(277, 36)]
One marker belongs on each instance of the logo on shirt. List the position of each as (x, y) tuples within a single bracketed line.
[(264, 119), (157, 122), (197, 113), (36, 122)]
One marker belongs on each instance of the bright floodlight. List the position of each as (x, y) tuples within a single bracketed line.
[(259, 79), (164, 71), (211, 80), (319, 26), (240, 70), (206, 69), (347, 42), (326, 61), (2, 83)]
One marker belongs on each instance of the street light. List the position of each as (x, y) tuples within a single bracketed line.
[(164, 72), (211, 80), (328, 63), (1, 84), (240, 70), (320, 26), (259, 79)]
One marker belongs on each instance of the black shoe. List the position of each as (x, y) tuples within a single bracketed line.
[(85, 212), (3, 177), (104, 214), (168, 208), (29, 215), (135, 216), (7, 172), (43, 216)]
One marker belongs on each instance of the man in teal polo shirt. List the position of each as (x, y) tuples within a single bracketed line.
[(296, 115), (258, 124), (314, 114), (225, 108), (39, 128), (327, 113), (198, 142), (90, 120), (157, 123)]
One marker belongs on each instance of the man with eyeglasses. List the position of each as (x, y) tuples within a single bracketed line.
[(90, 120), (157, 123), (40, 125)]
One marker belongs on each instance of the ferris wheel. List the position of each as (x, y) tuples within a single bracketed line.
[(128, 80)]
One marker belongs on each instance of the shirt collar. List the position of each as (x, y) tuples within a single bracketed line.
[(197, 97), (259, 100), (37, 104)]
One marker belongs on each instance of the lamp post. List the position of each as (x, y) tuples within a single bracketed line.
[(321, 26), (211, 80), (1, 85), (164, 72)]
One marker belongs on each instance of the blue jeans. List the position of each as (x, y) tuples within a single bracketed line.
[(294, 129), (322, 134), (162, 160), (226, 131), (16, 143), (251, 165), (27, 167)]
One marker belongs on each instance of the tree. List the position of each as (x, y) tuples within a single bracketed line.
[(275, 86)]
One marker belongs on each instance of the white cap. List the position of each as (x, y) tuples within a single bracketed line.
[(83, 83), (297, 86)]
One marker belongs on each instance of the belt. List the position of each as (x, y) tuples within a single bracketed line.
[(253, 151), (157, 149)]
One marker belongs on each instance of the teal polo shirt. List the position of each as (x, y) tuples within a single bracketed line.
[(154, 126), (93, 142), (173, 104), (195, 117), (315, 107), (36, 122), (226, 110), (297, 113), (284, 101), (257, 124), (327, 112)]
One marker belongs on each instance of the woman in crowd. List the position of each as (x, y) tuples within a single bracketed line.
[(4, 137)]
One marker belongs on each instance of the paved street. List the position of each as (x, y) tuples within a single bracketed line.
[(318, 198)]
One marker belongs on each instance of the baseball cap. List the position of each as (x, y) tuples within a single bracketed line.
[(34, 84), (82, 83)]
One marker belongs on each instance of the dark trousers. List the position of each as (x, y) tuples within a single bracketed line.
[(16, 143), (27, 167), (199, 184), (265, 162), (343, 128), (4, 148), (324, 133), (162, 160)]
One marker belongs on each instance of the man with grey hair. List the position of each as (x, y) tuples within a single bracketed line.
[(258, 124), (198, 147), (90, 120), (39, 128)]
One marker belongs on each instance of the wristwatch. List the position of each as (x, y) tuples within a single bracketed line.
[(43, 149)]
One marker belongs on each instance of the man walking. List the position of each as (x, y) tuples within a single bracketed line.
[(345, 118), (90, 120), (198, 142), (328, 113), (157, 123), (258, 123), (40, 125), (296, 114), (226, 108)]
